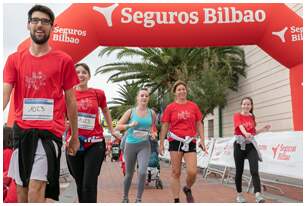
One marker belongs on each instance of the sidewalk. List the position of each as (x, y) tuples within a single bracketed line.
[(110, 187)]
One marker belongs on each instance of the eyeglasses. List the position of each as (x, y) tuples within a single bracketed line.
[(37, 20), (144, 95)]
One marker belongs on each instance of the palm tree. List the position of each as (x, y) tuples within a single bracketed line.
[(127, 99), (222, 67), (159, 68), (207, 92), (229, 62)]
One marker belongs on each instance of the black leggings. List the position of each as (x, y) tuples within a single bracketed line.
[(249, 153), (85, 168)]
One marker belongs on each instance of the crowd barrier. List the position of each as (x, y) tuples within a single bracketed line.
[(282, 154)]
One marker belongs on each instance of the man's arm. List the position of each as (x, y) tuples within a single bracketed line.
[(7, 90), (72, 112)]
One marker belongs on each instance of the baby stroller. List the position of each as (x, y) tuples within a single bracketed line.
[(153, 170), (115, 152)]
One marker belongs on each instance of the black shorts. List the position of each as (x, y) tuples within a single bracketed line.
[(175, 145)]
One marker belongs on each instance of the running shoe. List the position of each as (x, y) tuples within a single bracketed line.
[(188, 193), (240, 198), (138, 201), (125, 200), (259, 198)]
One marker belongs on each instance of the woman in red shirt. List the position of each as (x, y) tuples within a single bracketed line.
[(245, 147), (182, 119), (85, 166)]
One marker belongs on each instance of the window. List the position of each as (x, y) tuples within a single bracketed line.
[(211, 128)]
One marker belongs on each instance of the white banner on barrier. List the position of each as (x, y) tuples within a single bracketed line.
[(282, 153), (202, 158), (223, 152)]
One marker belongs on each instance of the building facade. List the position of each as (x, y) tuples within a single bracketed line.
[(267, 82)]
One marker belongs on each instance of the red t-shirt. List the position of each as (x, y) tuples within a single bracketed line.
[(247, 121), (39, 84), (88, 114), (182, 118)]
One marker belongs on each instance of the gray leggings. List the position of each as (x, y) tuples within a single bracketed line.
[(132, 152)]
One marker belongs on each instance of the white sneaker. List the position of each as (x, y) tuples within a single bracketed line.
[(125, 200), (240, 198), (259, 198)]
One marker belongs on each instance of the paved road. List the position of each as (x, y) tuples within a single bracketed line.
[(205, 191)]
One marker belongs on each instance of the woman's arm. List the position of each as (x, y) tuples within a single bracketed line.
[(154, 129), (122, 123), (200, 129), (162, 135), (244, 132), (264, 129), (109, 122)]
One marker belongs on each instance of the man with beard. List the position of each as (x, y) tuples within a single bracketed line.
[(40, 76)]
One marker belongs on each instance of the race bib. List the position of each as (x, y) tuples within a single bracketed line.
[(115, 150), (141, 133), (86, 121), (37, 109)]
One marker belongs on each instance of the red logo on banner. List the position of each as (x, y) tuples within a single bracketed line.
[(284, 151), (274, 149)]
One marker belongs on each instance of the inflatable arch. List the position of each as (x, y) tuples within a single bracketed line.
[(273, 27)]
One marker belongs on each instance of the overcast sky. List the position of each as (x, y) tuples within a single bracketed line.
[(15, 31)]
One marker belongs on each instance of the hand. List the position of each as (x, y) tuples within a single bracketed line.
[(161, 149), (267, 127), (153, 135), (73, 146), (248, 136), (203, 147), (116, 134), (67, 124), (133, 124)]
